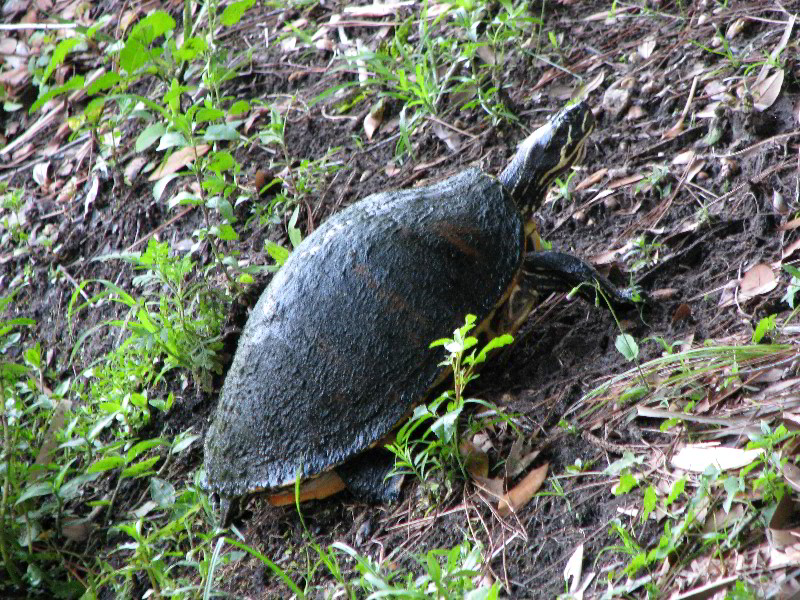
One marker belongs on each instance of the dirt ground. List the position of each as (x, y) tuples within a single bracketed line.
[(707, 221)]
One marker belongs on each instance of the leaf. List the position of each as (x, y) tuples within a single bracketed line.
[(178, 160), (277, 252), (677, 489), (767, 91), (158, 188), (626, 483), (149, 135), (574, 569), (521, 494), (239, 107), (173, 139), (764, 326), (74, 83), (445, 426), (224, 131), (757, 280), (59, 54), (496, 342), (152, 26), (34, 491), (698, 458), (225, 232), (191, 48), (141, 468), (648, 502), (220, 161), (627, 346), (106, 464), (143, 446), (103, 82), (132, 56), (234, 11)]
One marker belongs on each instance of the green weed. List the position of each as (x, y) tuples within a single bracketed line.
[(435, 451)]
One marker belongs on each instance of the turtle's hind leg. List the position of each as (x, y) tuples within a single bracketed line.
[(366, 476)]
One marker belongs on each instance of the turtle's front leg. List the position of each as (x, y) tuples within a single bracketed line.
[(562, 272)]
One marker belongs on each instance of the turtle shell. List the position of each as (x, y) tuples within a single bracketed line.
[(336, 351)]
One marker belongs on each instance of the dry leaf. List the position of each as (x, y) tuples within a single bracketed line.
[(766, 92), (757, 280), (646, 48), (77, 530), (492, 486), (698, 458), (684, 158), (616, 100), (40, 175), (324, 44), (521, 494), (789, 225), (781, 534), (391, 169), (635, 113), (694, 169), (684, 311), (605, 15), (709, 112), (519, 458), (374, 119), (178, 160), (673, 131), (792, 475), (447, 135), (92, 195), (574, 569), (594, 83), (715, 89), (624, 181), (487, 54), (735, 28), (595, 177), (288, 44), (325, 485), (790, 249), (376, 10), (475, 460), (776, 51), (719, 519), (50, 441), (127, 18), (134, 166), (705, 591)]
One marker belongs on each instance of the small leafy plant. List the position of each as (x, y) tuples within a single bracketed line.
[(436, 450)]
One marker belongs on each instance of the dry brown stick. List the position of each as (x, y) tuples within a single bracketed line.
[(180, 215)]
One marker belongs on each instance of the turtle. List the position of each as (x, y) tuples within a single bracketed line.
[(336, 352)]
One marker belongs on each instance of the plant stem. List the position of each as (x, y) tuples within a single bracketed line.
[(11, 568)]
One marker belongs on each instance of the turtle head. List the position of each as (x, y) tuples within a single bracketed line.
[(547, 153)]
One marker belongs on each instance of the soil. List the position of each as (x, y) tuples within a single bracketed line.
[(713, 226)]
